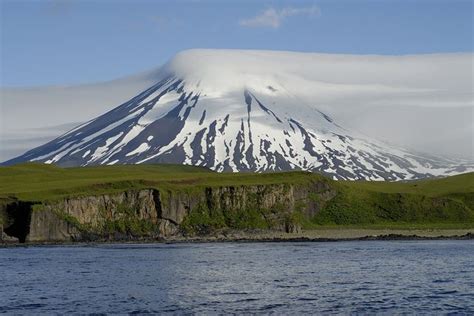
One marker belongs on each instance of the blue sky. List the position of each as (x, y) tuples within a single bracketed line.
[(69, 42)]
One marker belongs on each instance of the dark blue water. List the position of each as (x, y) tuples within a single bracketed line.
[(340, 277)]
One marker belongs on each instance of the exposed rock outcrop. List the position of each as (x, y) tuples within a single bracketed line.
[(155, 213)]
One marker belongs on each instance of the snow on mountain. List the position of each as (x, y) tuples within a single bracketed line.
[(252, 111)]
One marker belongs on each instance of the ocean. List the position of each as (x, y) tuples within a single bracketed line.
[(369, 277)]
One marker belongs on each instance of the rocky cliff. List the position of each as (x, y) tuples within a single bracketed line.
[(158, 213)]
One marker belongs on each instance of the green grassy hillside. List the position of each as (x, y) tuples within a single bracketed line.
[(463, 183), (47, 182), (41, 182), (436, 202)]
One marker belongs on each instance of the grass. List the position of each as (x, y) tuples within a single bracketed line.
[(44, 182), (463, 183), (40, 182)]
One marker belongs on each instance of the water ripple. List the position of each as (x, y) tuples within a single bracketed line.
[(383, 277)]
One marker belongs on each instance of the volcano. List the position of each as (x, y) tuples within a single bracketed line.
[(236, 111)]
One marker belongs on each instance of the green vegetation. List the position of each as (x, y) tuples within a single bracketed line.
[(41, 182), (202, 221), (351, 207), (435, 203), (463, 183)]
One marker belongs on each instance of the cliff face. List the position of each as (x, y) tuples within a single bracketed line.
[(290, 197), (155, 213)]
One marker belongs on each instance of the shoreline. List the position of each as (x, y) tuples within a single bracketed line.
[(317, 235)]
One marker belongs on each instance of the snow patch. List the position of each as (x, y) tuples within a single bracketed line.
[(140, 149)]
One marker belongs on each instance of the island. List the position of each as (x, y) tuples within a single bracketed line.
[(42, 203)]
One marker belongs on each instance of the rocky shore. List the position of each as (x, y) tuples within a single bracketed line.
[(316, 235)]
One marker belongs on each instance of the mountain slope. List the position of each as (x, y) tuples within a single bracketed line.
[(32, 116), (202, 112)]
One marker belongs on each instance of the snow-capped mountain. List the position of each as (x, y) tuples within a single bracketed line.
[(235, 111)]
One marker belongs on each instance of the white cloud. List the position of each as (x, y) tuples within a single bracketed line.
[(30, 117), (273, 18)]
